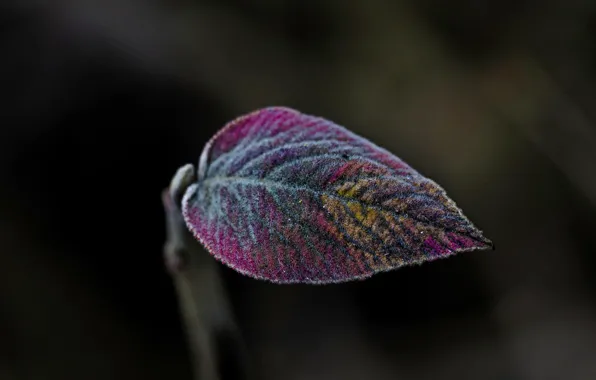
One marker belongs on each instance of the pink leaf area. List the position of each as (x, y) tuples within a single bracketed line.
[(293, 198)]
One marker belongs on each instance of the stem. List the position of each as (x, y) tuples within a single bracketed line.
[(213, 336)]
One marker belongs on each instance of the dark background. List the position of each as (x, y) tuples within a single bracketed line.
[(103, 100)]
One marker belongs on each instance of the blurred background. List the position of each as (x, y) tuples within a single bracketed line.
[(103, 100)]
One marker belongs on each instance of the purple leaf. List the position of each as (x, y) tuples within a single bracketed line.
[(292, 198)]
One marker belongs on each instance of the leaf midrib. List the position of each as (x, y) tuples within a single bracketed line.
[(271, 184)]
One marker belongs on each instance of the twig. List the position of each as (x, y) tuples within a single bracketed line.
[(214, 339)]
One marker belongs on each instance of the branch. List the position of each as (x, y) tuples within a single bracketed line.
[(214, 338)]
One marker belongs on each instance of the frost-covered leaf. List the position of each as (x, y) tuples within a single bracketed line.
[(292, 198)]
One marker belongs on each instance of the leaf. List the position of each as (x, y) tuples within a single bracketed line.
[(292, 198)]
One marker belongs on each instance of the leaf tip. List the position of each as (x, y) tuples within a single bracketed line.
[(492, 245)]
